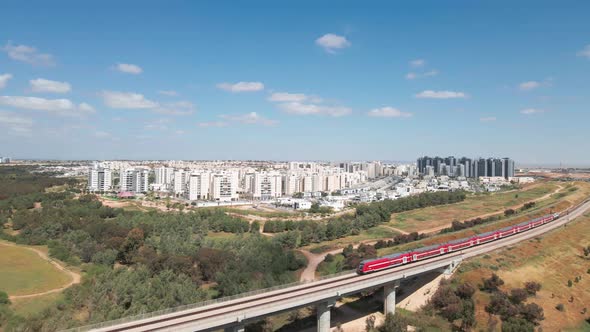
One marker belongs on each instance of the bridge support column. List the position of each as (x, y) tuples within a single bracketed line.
[(450, 268), (237, 328), (323, 313), (389, 298)]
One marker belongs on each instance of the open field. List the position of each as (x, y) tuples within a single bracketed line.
[(551, 260), (24, 272), (367, 235), (431, 218), (33, 305)]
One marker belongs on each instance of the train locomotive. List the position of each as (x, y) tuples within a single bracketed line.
[(401, 258)]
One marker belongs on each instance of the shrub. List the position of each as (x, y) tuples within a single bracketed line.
[(4, 299), (491, 284), (570, 283), (532, 287), (518, 295), (560, 307)]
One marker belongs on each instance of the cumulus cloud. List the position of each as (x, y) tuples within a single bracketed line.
[(127, 100), (417, 63), (16, 124), (301, 104), (311, 109), (488, 119), (584, 52), (4, 78), (170, 93), (43, 85), (285, 96), (413, 75), (529, 85), (129, 68), (28, 54), (331, 42), (388, 112), (176, 108), (440, 94), (241, 86), (531, 111), (212, 124), (63, 107), (250, 118)]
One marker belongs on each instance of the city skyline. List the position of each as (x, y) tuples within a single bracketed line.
[(340, 82)]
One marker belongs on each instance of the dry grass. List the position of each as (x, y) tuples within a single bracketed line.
[(551, 260), (474, 206), (23, 272)]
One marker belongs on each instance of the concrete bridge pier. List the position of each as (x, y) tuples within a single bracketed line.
[(323, 313), (235, 328), (449, 269), (389, 298)]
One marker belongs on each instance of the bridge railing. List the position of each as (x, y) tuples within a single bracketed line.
[(200, 304), (230, 298)]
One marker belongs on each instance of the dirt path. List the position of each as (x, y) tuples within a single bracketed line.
[(76, 277)]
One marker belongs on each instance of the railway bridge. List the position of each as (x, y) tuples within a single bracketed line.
[(232, 314)]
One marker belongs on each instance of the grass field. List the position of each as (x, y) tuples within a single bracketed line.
[(23, 272), (473, 206), (551, 260), (375, 233), (31, 306)]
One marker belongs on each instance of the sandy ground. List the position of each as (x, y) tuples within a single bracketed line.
[(75, 276)]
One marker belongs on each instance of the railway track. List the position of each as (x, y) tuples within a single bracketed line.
[(278, 298)]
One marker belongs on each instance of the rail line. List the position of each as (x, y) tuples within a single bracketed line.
[(168, 320)]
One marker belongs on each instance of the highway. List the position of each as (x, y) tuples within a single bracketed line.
[(249, 308)]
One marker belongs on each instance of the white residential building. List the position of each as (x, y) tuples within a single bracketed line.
[(99, 179), (223, 188), (266, 185), (179, 182), (198, 186), (134, 180), (164, 175)]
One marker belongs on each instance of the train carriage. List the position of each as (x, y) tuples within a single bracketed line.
[(381, 263)]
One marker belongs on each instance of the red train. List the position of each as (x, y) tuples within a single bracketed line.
[(385, 262)]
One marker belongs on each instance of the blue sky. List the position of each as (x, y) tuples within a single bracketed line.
[(331, 80)]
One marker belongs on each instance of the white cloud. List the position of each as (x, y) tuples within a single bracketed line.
[(417, 63), (488, 119), (15, 123), (388, 112), (4, 78), (413, 75), (529, 85), (212, 124), (241, 86), (585, 52), (331, 42), (28, 54), (43, 85), (440, 94), (127, 100), (307, 109), (170, 93), (285, 96), (250, 118), (531, 111), (101, 134), (176, 108), (129, 68), (63, 107)]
